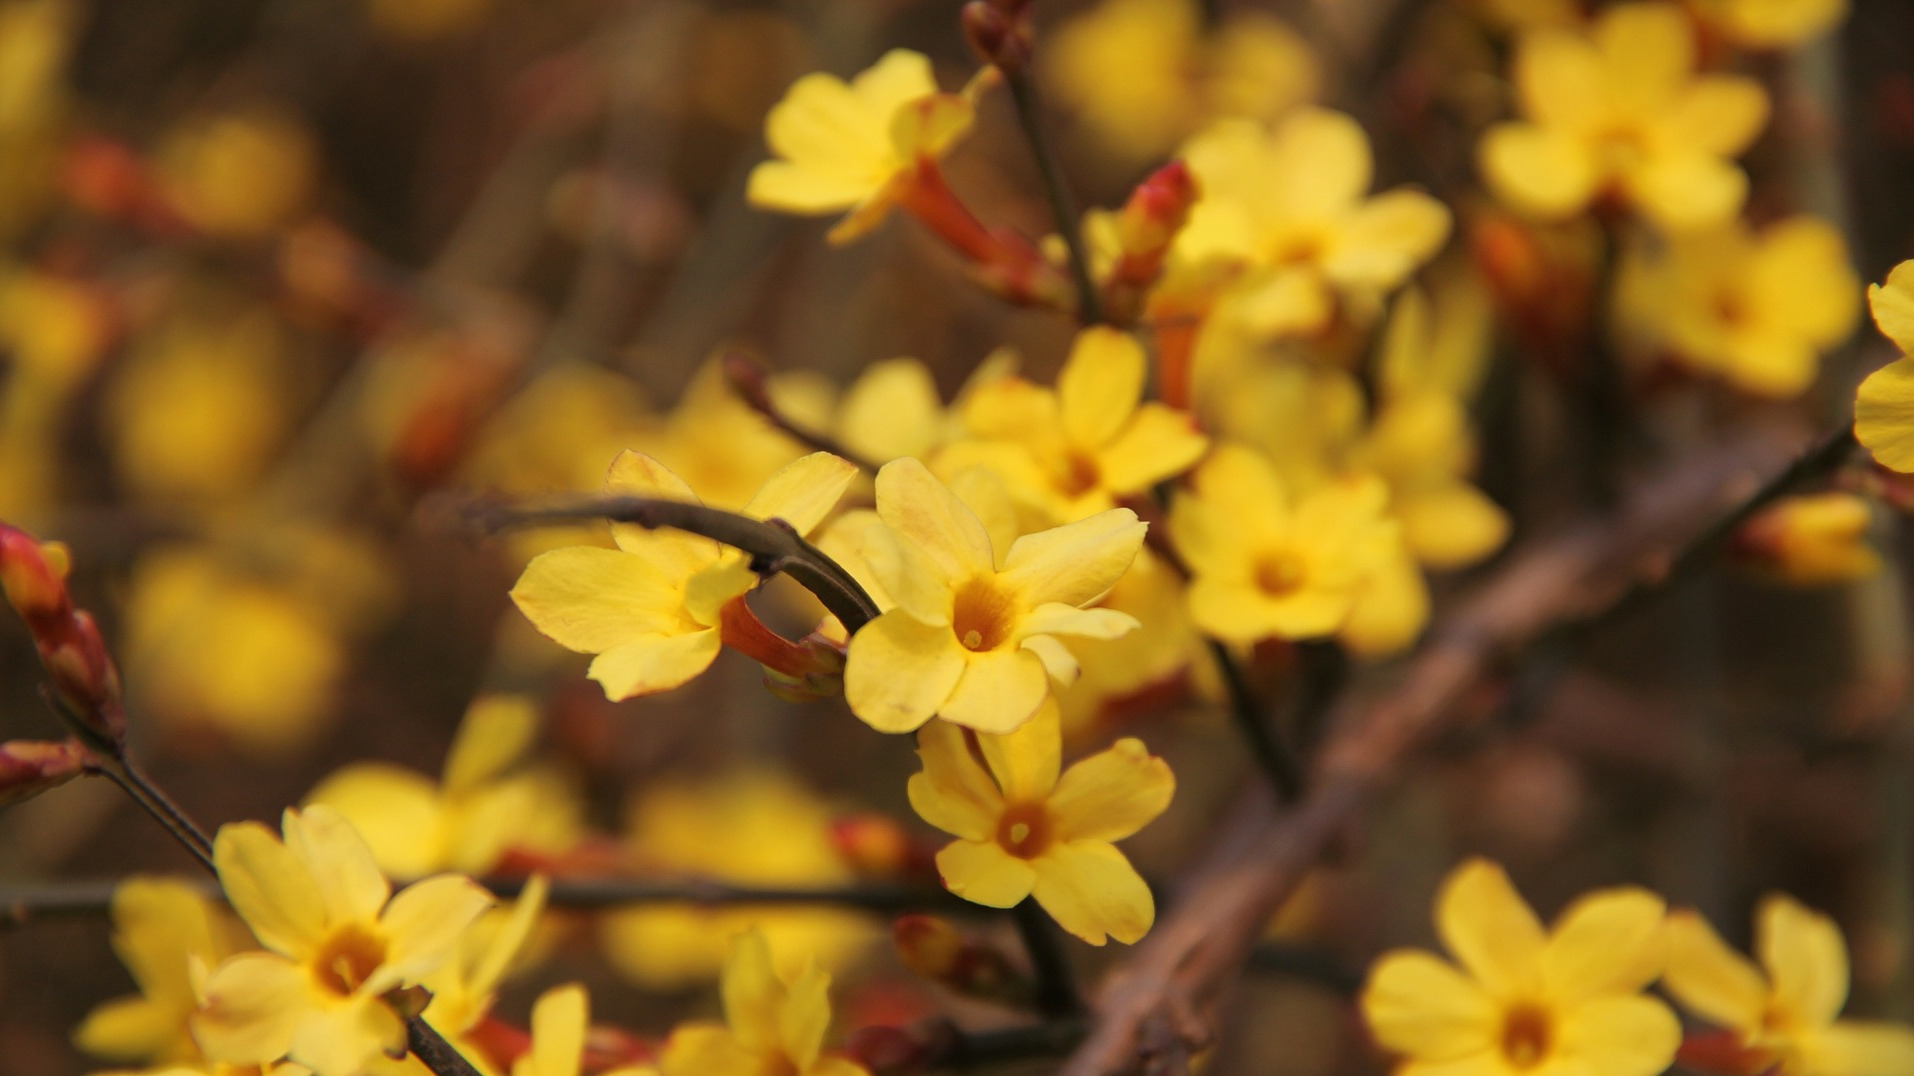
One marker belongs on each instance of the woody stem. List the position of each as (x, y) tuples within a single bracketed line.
[(1023, 93)]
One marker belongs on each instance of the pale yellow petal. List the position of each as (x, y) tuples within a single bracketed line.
[(648, 664), (342, 1040), (953, 792), (899, 671), (272, 889), (1239, 613), (805, 1016), (912, 580), (1452, 525), (1111, 794), (348, 879), (985, 490), (1709, 978), (1056, 618), (983, 873), (1607, 942), (132, 1029), (1718, 114), (1629, 1035), (559, 1019), (398, 812), (998, 691), (1387, 239), (1025, 762), (1076, 563), (159, 924), (496, 732), (1649, 52), (707, 1050), (1419, 1005), (1490, 928), (752, 993), (1100, 384), (590, 600), (490, 968), (1057, 659), (792, 188), (1091, 890), (1328, 166), (1860, 1048), (922, 509), (1893, 306), (891, 410), (928, 126), (670, 553), (1806, 959), (255, 1003), (803, 491), (1159, 443), (424, 923), (1685, 189), (1559, 78), (1542, 171), (1884, 414)]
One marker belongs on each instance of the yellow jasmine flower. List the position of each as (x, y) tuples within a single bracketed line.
[(160, 928), (720, 446), (560, 1019), (1620, 110), (857, 146), (652, 609), (1884, 406), (1164, 645), (479, 810), (972, 637), (752, 827), (1077, 449), (1527, 999), (1811, 540), (1023, 831), (338, 940), (1771, 24), (1264, 563), (464, 987), (1291, 205), (1785, 1012), (771, 1026), (241, 175), (1759, 310), (1142, 74)]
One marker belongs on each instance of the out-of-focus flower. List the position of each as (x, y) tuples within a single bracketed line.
[(30, 767), (973, 636), (238, 176), (560, 1019), (1143, 74), (200, 406), (1811, 540), (1525, 999), (724, 449), (336, 945), (1783, 1015), (1620, 111), (892, 410), (465, 986), (771, 1025), (1291, 206), (1075, 450), (1163, 646), (1759, 311), (1771, 24), (1264, 563), (161, 927), (52, 327), (857, 146), (245, 641), (1884, 406), (653, 610), (415, 20), (1023, 831), (751, 827), (484, 806)]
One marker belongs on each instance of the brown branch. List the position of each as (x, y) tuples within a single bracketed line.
[(753, 386), (1156, 1007)]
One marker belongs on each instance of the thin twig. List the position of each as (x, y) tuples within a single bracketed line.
[(1273, 756), (748, 380), (1057, 994), (1023, 93), (773, 545)]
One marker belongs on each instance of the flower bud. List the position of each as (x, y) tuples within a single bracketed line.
[(1813, 540), (1000, 32), (33, 574), (30, 767), (938, 951), (874, 844)]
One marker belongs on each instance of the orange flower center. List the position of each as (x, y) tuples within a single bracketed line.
[(1277, 574), (1526, 1035), (1024, 830), (1080, 474), (983, 616), (347, 959)]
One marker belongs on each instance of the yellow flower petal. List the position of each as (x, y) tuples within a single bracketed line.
[(1025, 762), (1719, 114), (1230, 611), (1056, 618), (983, 873), (347, 878), (1099, 385), (1160, 442), (272, 889), (255, 1003), (804, 1017), (1649, 51), (1076, 563), (559, 1019), (648, 664), (913, 503), (1111, 794), (899, 671), (1860, 1048), (1490, 928), (707, 1050), (1806, 959), (794, 188), (1542, 171), (752, 993), (1091, 890), (1608, 942), (670, 553), (1884, 413), (398, 812), (1057, 659), (1419, 1005), (910, 578), (1710, 978), (342, 1040), (803, 491), (1451, 525), (1387, 239), (495, 733), (1893, 306), (999, 691), (953, 792), (131, 1029), (423, 925), (1631, 1035), (1685, 190), (590, 600)]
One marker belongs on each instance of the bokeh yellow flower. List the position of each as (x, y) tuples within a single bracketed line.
[(651, 610), (1620, 110), (1527, 999), (1757, 310), (1811, 540), (1291, 206), (1771, 24), (240, 175), (1078, 449), (1024, 831), (485, 805), (973, 634), (161, 927), (560, 1019), (1787, 1011), (857, 146), (338, 940), (1884, 406), (771, 1026)]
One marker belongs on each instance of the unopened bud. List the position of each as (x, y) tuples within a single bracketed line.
[(1812, 540), (881, 1048), (936, 950), (874, 844), (33, 574), (1000, 33), (1157, 210), (30, 767)]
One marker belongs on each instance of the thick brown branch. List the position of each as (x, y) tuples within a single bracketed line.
[(1156, 1006)]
